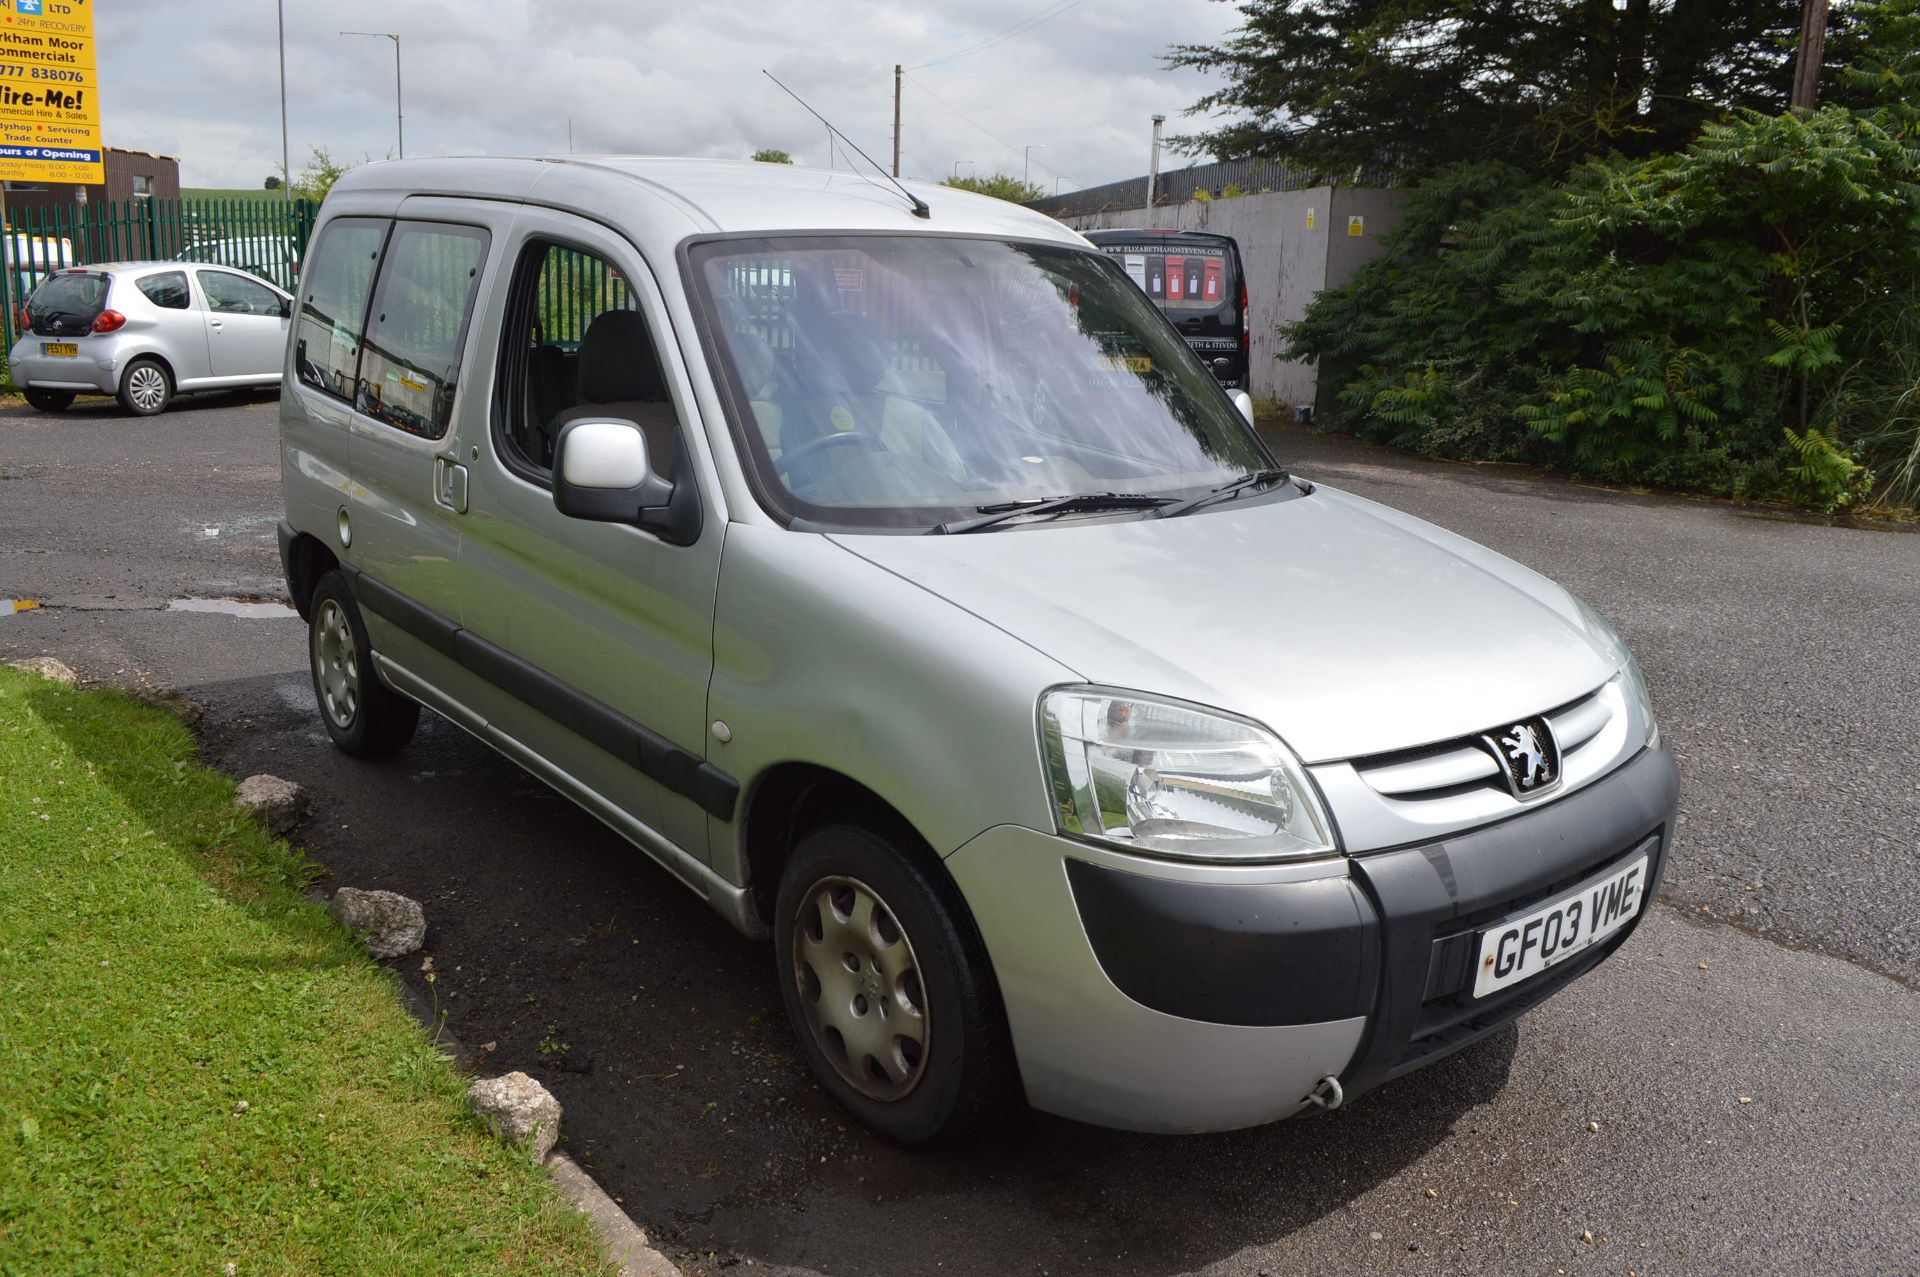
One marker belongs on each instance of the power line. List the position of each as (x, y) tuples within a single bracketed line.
[(1010, 147), (1026, 24)]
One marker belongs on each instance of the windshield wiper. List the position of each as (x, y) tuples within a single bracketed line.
[(1245, 483), (1082, 502)]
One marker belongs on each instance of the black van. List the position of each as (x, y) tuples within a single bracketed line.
[(1197, 280)]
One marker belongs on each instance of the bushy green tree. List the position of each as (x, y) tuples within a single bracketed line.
[(769, 155), (1737, 316), (999, 185), (318, 177), (1331, 85)]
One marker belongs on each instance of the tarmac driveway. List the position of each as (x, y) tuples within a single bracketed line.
[(1738, 1091)]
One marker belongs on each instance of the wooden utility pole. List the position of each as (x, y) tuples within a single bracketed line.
[(896, 119), (1813, 52)]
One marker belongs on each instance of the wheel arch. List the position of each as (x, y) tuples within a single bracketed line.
[(153, 353), (788, 801), (308, 558)]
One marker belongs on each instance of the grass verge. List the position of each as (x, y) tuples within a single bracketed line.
[(197, 1067)]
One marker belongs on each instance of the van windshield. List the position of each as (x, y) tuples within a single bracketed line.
[(905, 381)]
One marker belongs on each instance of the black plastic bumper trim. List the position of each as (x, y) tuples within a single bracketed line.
[(1433, 892), (680, 770), (1267, 954), (1382, 942)]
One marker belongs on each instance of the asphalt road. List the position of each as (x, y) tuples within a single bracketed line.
[(1781, 965)]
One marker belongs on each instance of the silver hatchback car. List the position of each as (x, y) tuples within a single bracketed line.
[(886, 566), (144, 331)]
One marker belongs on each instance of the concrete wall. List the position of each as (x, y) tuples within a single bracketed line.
[(1287, 260)]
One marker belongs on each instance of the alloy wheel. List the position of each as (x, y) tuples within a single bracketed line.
[(147, 387)]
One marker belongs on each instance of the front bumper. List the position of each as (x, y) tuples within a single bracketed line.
[(1155, 996), (92, 371)]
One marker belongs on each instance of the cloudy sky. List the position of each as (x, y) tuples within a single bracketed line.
[(200, 79)]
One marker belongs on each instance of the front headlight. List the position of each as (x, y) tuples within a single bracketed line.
[(1173, 779), (1633, 682)]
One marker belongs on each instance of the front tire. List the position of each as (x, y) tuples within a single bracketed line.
[(365, 717), (146, 388), (49, 400), (888, 986)]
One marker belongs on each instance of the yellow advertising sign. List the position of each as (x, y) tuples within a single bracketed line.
[(49, 93)]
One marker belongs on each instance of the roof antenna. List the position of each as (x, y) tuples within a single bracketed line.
[(920, 208)]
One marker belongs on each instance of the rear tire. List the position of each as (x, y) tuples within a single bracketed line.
[(888, 986), (49, 400), (365, 717), (146, 388)]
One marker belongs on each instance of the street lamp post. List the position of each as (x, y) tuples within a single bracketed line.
[(286, 172), (1153, 164), (968, 163), (1026, 161), (399, 108)]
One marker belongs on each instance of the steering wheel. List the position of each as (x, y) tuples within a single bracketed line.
[(815, 447)]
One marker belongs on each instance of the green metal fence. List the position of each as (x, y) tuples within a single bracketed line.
[(265, 237)]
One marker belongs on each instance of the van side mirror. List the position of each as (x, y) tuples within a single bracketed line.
[(1244, 402), (601, 472)]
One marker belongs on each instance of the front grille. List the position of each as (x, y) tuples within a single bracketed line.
[(1464, 765)]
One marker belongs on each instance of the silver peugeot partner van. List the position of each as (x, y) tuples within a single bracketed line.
[(885, 565)]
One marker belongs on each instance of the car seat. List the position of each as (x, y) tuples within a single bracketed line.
[(620, 378)]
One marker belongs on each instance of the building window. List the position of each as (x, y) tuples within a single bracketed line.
[(142, 186)]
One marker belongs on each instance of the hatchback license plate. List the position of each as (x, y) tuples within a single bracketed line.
[(60, 349), (1525, 946)]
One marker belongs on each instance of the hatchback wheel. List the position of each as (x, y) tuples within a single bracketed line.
[(364, 716), (145, 388), (888, 986), (49, 400)]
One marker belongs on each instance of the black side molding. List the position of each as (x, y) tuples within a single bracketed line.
[(680, 770), (1259, 954), (429, 627)]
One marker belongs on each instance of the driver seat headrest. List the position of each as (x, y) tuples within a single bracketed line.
[(617, 360)]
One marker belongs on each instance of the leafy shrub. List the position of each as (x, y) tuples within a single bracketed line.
[(1736, 318)]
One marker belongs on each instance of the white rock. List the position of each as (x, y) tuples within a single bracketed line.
[(520, 1111), (278, 804), (389, 924), (48, 667)]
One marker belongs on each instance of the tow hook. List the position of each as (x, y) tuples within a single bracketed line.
[(1327, 1093)]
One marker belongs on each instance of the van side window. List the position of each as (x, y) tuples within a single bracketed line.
[(167, 291), (410, 366), (576, 345), (333, 306)]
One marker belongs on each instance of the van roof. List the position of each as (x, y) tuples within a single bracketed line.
[(711, 196), (1156, 235)]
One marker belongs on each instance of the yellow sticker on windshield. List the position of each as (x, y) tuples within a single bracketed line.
[(1122, 363), (841, 418)]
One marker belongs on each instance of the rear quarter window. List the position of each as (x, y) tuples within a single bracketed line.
[(333, 303), (168, 291)]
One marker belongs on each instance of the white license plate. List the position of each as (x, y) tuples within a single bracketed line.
[(1525, 946), (60, 349)]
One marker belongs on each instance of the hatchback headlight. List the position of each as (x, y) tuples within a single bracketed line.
[(1173, 779)]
